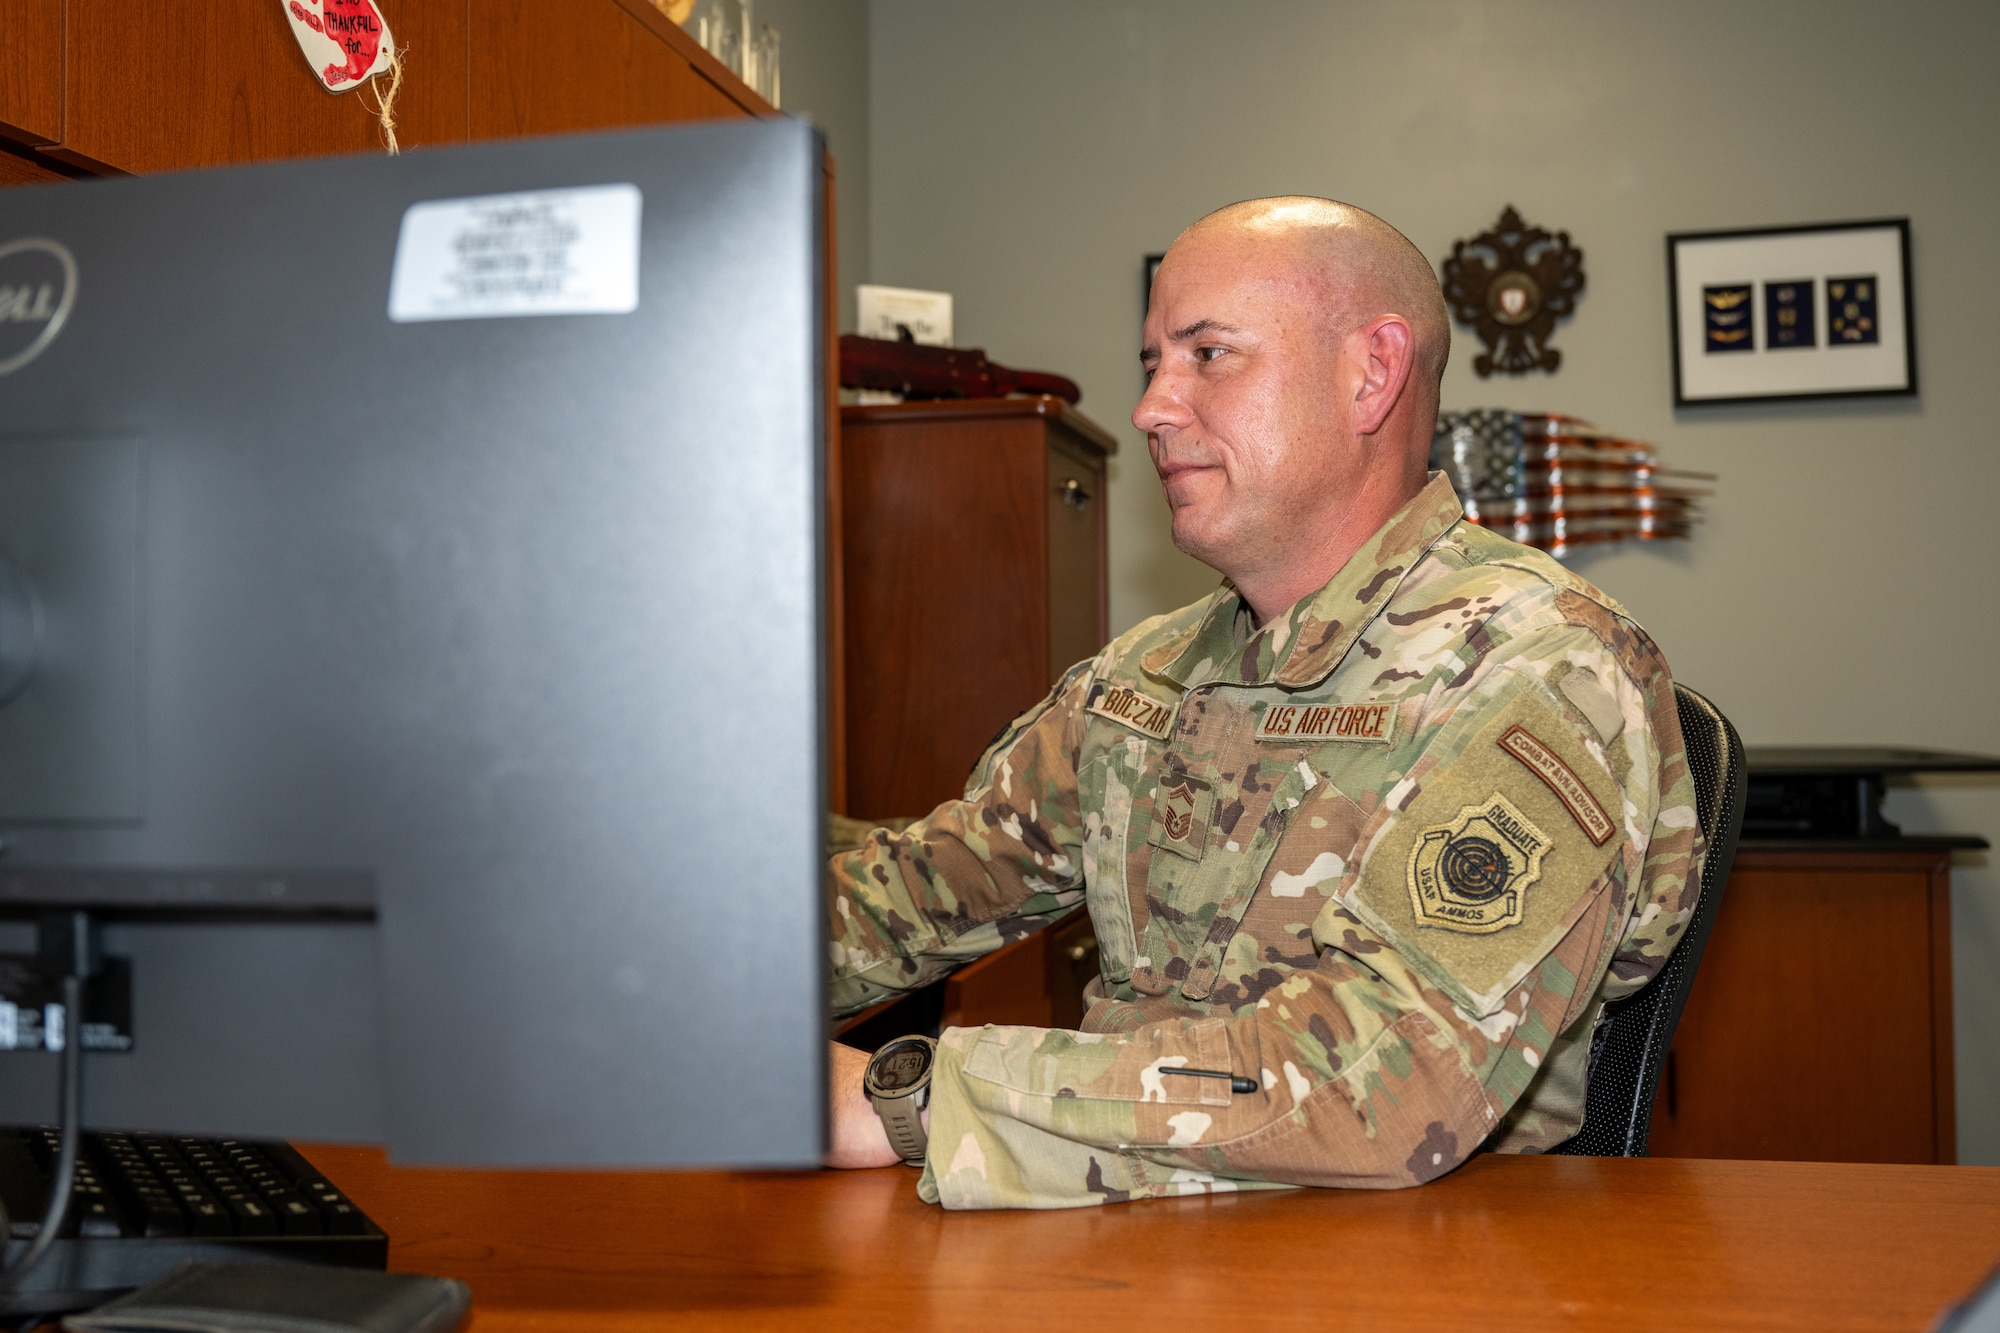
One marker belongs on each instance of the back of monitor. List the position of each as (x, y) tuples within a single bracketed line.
[(509, 621)]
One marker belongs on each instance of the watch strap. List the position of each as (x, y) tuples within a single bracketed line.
[(902, 1117)]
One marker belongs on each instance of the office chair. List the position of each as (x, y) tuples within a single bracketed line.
[(1629, 1050)]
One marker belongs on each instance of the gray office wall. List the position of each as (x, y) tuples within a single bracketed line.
[(824, 63), (1026, 155)]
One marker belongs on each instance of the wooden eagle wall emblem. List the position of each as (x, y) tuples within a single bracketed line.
[(1511, 284)]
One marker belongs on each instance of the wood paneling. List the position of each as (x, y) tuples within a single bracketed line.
[(31, 72), (976, 574), (947, 638), (1819, 1027), (594, 66), (22, 169), (963, 602), (1501, 1244), (1944, 1079), (224, 81)]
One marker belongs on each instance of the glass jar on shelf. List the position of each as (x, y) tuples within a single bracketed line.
[(719, 25), (762, 75)]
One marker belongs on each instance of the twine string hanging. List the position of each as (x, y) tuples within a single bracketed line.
[(385, 102)]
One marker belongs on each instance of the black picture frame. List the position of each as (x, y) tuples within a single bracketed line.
[(1755, 266)]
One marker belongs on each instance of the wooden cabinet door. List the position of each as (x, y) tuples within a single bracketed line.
[(975, 559), (945, 575), (591, 66), (31, 71), (1819, 1027), (224, 81), (974, 575), (25, 169)]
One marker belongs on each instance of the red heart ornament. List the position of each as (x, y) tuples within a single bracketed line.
[(346, 42)]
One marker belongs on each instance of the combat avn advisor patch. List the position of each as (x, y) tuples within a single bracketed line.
[(1371, 724), (1561, 779), (1473, 874), (1127, 707)]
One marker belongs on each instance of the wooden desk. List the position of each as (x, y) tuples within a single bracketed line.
[(1503, 1243)]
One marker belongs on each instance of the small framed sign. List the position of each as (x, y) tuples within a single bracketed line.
[(1792, 312)]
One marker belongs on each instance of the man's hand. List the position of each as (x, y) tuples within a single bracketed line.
[(857, 1137)]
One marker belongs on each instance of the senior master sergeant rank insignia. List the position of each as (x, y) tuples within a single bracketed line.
[(1472, 874)]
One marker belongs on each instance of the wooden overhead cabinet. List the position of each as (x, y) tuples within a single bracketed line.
[(31, 70), (107, 88)]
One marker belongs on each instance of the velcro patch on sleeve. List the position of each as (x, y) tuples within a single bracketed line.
[(1480, 876), (1368, 724), (1563, 781), (1127, 707)]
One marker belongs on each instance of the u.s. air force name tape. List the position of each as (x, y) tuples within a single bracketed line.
[(1128, 707), (1563, 781), (1371, 724)]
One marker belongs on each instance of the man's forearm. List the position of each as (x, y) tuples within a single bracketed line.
[(907, 908), (1360, 1078)]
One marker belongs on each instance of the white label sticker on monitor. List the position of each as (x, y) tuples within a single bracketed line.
[(545, 252)]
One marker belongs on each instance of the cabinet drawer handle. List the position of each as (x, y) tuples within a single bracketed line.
[(1075, 495), (1082, 950)]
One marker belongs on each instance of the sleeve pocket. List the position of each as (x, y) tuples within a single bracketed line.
[(1125, 1067)]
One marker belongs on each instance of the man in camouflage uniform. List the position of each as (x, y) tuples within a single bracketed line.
[(1368, 837)]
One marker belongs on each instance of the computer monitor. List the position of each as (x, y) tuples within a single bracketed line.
[(411, 643)]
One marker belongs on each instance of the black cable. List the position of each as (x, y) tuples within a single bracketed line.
[(70, 1114)]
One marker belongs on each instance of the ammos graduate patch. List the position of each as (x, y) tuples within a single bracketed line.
[(1473, 874)]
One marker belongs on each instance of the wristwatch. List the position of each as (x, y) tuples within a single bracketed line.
[(898, 1083)]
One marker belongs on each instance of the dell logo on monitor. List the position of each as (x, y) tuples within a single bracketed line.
[(37, 289)]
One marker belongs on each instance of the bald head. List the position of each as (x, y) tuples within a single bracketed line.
[(1364, 266), (1292, 349)]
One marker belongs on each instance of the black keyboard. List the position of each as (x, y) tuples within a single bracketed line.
[(144, 1204)]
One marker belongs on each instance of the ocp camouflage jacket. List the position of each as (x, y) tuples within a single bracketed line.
[(1383, 861)]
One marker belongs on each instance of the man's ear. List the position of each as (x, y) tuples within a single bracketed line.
[(1388, 351)]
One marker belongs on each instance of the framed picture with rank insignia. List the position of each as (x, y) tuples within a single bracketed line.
[(1792, 312)]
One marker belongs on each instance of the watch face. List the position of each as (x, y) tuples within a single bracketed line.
[(900, 1065)]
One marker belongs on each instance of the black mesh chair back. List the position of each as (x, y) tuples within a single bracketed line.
[(1629, 1050)]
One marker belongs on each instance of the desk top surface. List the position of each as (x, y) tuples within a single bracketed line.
[(1503, 1243)]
